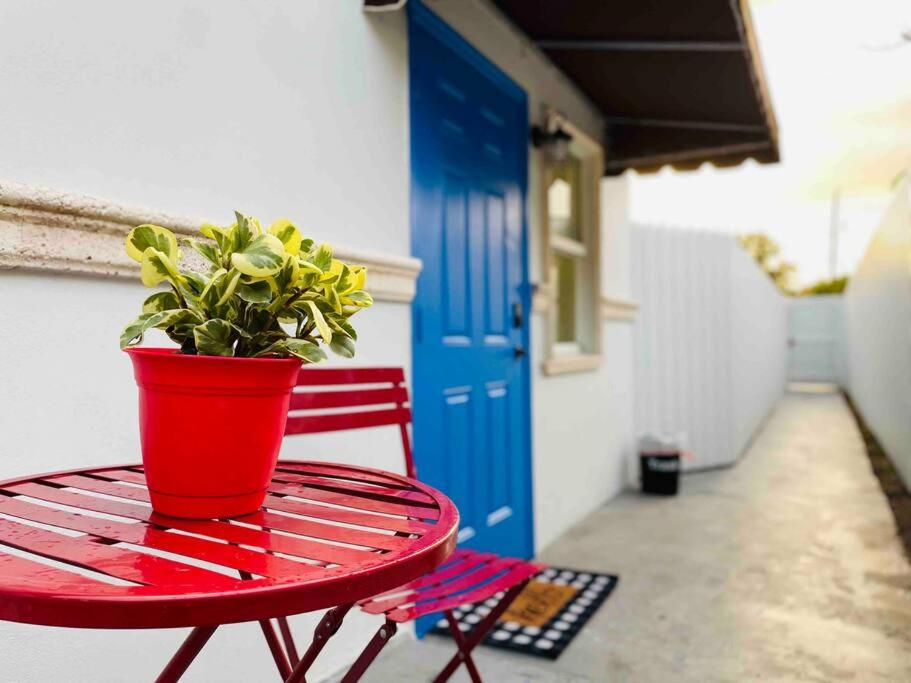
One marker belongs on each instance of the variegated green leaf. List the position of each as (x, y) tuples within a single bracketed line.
[(342, 346), (322, 327), (208, 296), (225, 238), (308, 267), (258, 292), (349, 330), (322, 258), (333, 299), (248, 229), (289, 235), (144, 236), (334, 272), (228, 287), (258, 320), (342, 326), (182, 333), (241, 331), (158, 267), (345, 280), (208, 250), (132, 333), (303, 349), (213, 338), (160, 301), (289, 274), (262, 257), (358, 278), (359, 299), (196, 282)]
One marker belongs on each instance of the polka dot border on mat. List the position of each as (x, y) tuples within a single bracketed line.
[(552, 638)]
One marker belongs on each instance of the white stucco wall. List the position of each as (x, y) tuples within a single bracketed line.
[(581, 422), (878, 322), (295, 108)]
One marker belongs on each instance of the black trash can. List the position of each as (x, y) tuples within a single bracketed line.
[(659, 466)]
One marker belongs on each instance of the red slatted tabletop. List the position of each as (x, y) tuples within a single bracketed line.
[(83, 548)]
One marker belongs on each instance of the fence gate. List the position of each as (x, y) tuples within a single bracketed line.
[(815, 331)]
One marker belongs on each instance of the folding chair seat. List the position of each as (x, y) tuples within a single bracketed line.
[(378, 397)]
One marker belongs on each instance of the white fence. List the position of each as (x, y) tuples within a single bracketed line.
[(710, 341), (878, 321)]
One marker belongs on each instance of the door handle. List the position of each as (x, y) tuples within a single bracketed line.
[(519, 351)]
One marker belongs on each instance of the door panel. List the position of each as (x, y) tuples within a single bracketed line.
[(469, 128)]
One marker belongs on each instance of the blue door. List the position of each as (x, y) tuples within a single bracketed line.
[(469, 133)]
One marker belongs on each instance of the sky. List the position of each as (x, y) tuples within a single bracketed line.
[(839, 75)]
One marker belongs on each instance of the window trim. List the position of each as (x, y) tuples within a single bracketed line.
[(584, 354)]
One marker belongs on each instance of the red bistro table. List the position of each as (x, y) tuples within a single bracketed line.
[(327, 536)]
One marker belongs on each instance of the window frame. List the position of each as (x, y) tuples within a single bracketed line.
[(583, 353)]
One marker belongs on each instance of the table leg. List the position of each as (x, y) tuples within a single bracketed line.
[(278, 655), (185, 655), (290, 647), (377, 643), (325, 629)]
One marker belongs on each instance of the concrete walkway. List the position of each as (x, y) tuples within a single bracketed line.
[(783, 568)]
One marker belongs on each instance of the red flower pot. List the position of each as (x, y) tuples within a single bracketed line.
[(211, 428)]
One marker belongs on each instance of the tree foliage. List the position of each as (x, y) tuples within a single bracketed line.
[(767, 254), (833, 286)]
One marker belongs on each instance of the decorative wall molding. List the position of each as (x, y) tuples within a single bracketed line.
[(618, 309), (612, 308), (579, 362), (43, 229)]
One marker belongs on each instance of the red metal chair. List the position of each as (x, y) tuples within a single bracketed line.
[(329, 400)]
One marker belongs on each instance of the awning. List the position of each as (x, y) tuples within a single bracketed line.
[(679, 82)]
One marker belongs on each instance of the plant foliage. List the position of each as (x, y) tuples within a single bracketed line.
[(263, 293)]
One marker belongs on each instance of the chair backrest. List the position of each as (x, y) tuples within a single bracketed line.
[(336, 399)]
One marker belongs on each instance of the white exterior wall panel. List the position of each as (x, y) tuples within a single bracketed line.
[(709, 342), (878, 322)]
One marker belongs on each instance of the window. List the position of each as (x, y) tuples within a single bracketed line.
[(571, 221)]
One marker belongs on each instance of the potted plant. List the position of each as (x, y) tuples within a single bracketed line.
[(212, 412)]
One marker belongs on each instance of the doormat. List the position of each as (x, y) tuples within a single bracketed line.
[(545, 617)]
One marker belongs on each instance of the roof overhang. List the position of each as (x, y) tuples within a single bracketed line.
[(678, 82)]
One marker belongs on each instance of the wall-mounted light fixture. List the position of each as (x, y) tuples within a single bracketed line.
[(553, 139)]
